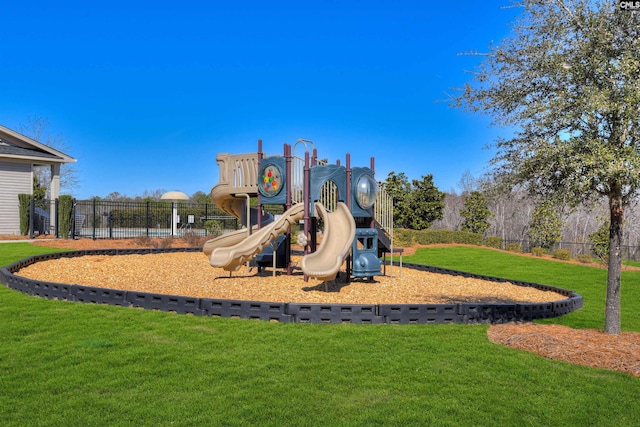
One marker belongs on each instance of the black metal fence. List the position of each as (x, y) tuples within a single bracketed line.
[(103, 219)]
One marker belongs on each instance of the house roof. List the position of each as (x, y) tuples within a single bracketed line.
[(14, 145), (10, 151)]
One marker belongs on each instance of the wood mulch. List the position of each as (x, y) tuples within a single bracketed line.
[(585, 347), (190, 274)]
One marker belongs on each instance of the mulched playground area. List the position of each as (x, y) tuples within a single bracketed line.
[(189, 274), (585, 347)]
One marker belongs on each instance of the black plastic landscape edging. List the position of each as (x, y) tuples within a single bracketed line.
[(292, 312)]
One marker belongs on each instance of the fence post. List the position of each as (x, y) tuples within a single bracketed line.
[(111, 224), (73, 219), (147, 220), (95, 219), (56, 230), (206, 216)]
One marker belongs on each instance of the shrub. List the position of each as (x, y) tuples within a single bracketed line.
[(545, 227), (476, 213), (600, 240), (538, 251), (402, 237), (406, 237), (167, 242), (493, 242), (24, 201), (65, 209), (585, 258), (563, 254), (296, 234), (213, 227), (194, 240), (515, 247), (143, 241), (467, 237), (430, 237)]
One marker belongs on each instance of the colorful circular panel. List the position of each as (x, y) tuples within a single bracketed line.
[(270, 180)]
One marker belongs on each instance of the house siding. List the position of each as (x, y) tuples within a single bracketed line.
[(15, 178)]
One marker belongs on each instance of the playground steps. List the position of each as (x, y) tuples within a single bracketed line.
[(384, 239)]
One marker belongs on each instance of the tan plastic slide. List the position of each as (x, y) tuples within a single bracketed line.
[(232, 257), (227, 239), (232, 169), (339, 232)]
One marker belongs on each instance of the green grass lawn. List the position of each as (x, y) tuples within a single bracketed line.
[(589, 282), (12, 252), (65, 363)]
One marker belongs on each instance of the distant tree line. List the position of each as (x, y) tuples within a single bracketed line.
[(482, 207), (155, 195)]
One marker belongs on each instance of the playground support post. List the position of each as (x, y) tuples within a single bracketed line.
[(288, 173), (260, 156), (306, 202), (372, 165), (247, 211), (348, 189), (348, 197), (288, 183), (274, 257)]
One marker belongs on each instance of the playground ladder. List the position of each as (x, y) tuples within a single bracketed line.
[(383, 215)]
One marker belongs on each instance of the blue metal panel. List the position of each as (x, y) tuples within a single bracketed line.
[(364, 250), (319, 175)]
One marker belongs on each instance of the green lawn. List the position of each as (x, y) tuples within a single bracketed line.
[(12, 252), (589, 282), (67, 363)]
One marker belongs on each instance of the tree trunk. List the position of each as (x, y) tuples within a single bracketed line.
[(612, 307)]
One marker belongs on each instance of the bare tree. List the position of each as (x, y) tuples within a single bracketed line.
[(451, 218), (468, 183), (38, 128)]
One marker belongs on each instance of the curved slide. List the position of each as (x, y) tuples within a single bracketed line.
[(339, 232), (225, 196), (225, 240), (232, 257)]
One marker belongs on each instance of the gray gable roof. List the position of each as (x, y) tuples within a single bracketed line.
[(8, 150), (14, 145)]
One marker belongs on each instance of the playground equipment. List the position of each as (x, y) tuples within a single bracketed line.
[(365, 244), (357, 219), (340, 197), (340, 228), (233, 257)]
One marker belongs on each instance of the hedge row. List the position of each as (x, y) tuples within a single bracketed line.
[(406, 237)]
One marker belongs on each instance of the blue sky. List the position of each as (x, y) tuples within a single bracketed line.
[(146, 94)]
